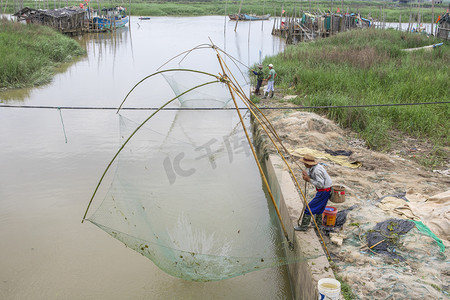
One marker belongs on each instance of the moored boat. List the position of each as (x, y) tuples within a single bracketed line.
[(111, 18), (255, 17), (245, 17)]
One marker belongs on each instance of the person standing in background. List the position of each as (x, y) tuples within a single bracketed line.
[(259, 77), (270, 82)]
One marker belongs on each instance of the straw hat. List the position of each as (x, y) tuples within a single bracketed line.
[(260, 66), (309, 160)]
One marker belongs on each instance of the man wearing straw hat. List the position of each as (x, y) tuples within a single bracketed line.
[(317, 176)]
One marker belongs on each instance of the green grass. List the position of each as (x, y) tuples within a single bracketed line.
[(373, 9), (255, 99), (346, 290), (369, 67), (29, 53)]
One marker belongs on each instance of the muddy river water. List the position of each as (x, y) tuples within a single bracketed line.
[(51, 160)]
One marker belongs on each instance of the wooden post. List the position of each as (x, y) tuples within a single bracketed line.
[(381, 18), (418, 14), (409, 22), (432, 16), (331, 18), (400, 22), (240, 7)]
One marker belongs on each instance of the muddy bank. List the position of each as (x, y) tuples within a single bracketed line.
[(416, 266)]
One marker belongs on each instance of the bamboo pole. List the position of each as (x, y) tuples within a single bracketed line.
[(266, 183), (381, 18), (331, 18), (237, 21), (291, 172), (251, 106), (418, 14), (432, 17), (409, 22), (145, 121)]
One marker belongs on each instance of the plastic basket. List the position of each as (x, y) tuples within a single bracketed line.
[(337, 194)]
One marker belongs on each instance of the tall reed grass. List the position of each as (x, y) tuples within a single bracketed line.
[(29, 53), (370, 67)]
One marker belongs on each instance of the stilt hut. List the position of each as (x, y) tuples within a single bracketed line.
[(444, 26), (69, 20), (26, 14), (311, 26)]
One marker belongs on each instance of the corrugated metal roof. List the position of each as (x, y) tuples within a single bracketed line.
[(63, 12), (55, 13)]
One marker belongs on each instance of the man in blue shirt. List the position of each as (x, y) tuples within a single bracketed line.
[(259, 78)]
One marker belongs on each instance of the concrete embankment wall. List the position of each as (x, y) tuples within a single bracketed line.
[(311, 263)]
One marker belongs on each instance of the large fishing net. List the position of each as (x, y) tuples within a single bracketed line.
[(187, 192)]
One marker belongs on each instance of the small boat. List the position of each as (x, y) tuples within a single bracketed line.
[(112, 18), (255, 17), (245, 17), (144, 18)]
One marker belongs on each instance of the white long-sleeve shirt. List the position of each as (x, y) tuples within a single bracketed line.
[(319, 177)]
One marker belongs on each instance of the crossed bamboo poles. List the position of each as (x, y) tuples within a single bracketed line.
[(234, 88)]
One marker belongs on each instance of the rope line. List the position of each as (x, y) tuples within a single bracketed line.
[(62, 122), (219, 108)]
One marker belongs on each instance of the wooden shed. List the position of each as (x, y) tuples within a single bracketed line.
[(26, 14), (444, 26), (66, 20)]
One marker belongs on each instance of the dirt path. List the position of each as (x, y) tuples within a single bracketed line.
[(420, 270)]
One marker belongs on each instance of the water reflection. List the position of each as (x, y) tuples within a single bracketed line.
[(46, 183), (14, 94)]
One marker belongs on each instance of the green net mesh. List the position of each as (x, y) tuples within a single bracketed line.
[(187, 193), (424, 229)]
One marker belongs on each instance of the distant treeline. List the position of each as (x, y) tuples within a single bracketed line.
[(389, 11)]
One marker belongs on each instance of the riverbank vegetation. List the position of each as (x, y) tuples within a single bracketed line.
[(369, 9), (30, 53), (368, 67)]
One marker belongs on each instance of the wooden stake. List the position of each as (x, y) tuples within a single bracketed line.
[(240, 7), (432, 16), (266, 183)]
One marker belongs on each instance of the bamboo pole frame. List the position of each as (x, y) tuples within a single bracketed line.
[(142, 124), (250, 105), (234, 88)]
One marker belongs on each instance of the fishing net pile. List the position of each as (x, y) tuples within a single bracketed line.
[(187, 193)]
